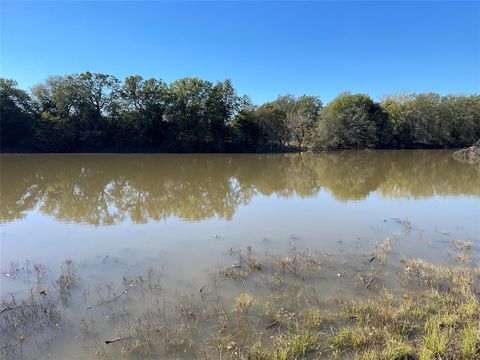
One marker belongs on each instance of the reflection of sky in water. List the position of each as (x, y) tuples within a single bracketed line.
[(117, 216), (321, 222), (186, 210)]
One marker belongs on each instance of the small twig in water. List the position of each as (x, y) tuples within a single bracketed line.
[(117, 339), (9, 308), (275, 322), (108, 301)]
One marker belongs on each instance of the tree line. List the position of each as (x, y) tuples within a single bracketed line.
[(98, 112)]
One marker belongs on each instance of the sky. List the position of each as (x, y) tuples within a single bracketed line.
[(265, 48)]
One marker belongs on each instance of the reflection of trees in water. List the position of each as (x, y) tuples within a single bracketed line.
[(284, 175), (106, 189), (429, 173), (351, 175)]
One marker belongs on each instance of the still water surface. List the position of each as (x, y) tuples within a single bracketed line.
[(180, 216), (188, 209)]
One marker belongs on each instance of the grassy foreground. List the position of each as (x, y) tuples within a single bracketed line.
[(257, 307)]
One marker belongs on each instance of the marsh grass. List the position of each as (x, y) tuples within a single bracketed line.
[(262, 306), (67, 280), (243, 303)]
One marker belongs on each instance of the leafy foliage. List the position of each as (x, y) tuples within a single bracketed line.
[(352, 121), (98, 112), (15, 114)]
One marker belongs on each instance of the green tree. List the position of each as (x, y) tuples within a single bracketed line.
[(431, 120), (462, 117), (272, 117), (221, 106), (352, 121), (401, 114), (100, 96), (186, 111), (16, 116), (302, 118), (97, 112), (60, 105), (100, 91), (143, 109), (247, 133), (74, 111)]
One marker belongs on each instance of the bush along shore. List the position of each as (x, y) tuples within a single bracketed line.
[(296, 305), (98, 113)]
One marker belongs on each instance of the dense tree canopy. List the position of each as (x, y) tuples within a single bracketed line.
[(433, 120), (98, 112), (352, 121), (15, 115)]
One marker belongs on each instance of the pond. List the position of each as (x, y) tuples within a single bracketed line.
[(179, 219)]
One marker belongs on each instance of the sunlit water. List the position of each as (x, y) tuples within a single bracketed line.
[(116, 215)]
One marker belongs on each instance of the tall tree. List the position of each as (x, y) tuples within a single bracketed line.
[(143, 109), (186, 111), (16, 117), (401, 115), (462, 117), (100, 90), (301, 119), (351, 121), (59, 104), (247, 132), (221, 106)]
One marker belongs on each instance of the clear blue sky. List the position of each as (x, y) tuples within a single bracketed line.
[(266, 48)]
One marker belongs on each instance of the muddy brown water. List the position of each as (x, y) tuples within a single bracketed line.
[(117, 215)]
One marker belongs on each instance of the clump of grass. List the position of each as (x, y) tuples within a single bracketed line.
[(253, 263), (243, 303), (420, 273), (67, 280), (436, 340), (314, 318), (398, 348), (463, 252), (283, 306), (136, 347), (293, 346), (243, 267), (382, 348), (356, 337), (470, 346), (141, 340), (370, 278), (302, 343), (381, 251)]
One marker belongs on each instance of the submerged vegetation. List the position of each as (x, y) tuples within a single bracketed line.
[(297, 305), (98, 112)]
